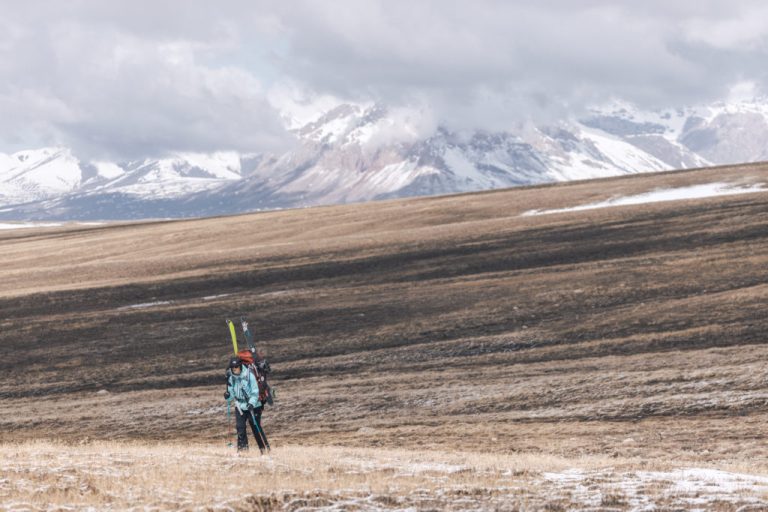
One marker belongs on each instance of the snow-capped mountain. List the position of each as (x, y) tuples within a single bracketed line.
[(349, 153), (52, 172), (56, 185), (31, 175)]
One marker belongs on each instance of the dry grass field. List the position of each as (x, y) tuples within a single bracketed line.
[(169, 476), (437, 353)]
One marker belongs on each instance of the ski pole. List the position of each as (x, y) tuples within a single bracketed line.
[(260, 431), (229, 421)]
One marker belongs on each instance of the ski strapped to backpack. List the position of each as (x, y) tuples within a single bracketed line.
[(232, 334), (248, 334), (260, 367)]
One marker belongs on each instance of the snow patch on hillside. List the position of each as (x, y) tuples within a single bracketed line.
[(662, 195), (108, 170), (466, 172), (145, 305), (622, 154), (223, 164), (24, 225)]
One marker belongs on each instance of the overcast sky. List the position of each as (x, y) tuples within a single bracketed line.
[(128, 79)]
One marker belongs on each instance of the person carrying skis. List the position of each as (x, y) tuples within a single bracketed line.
[(243, 389)]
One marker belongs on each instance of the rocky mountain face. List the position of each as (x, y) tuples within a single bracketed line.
[(353, 153)]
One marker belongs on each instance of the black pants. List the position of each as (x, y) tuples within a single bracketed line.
[(258, 432)]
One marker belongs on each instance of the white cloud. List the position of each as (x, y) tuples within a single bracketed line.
[(487, 63), (135, 78), (742, 30), (743, 91), (102, 81)]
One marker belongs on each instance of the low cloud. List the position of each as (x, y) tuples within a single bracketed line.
[(490, 63), (101, 81), (128, 80)]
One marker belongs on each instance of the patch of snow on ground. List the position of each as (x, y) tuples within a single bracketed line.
[(212, 297), (146, 305), (662, 195), (698, 480), (687, 487), (22, 225)]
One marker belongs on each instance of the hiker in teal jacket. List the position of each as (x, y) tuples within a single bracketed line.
[(243, 389)]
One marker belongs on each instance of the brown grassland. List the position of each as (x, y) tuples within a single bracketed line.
[(436, 353)]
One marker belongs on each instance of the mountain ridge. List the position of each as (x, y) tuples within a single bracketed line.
[(354, 153)]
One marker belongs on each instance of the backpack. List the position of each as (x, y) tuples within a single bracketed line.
[(246, 356), (265, 392)]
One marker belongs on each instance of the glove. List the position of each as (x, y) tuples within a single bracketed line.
[(226, 395)]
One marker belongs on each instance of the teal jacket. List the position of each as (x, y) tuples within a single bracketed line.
[(243, 389)]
